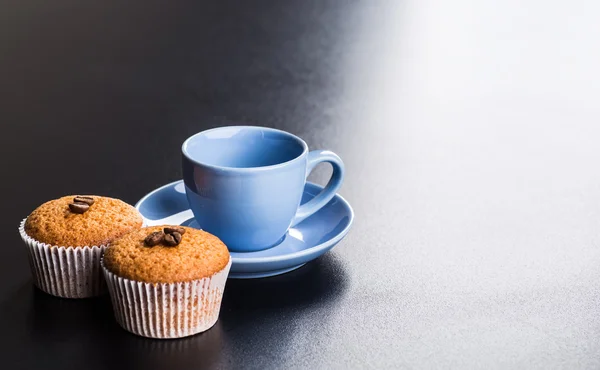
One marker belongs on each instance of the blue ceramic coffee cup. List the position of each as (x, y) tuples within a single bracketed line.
[(244, 183)]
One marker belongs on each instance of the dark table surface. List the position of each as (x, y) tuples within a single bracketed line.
[(470, 131)]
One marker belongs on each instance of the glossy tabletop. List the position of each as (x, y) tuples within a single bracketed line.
[(470, 131)]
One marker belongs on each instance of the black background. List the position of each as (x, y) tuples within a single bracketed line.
[(470, 136)]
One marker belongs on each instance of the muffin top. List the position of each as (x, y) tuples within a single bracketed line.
[(64, 222), (198, 255)]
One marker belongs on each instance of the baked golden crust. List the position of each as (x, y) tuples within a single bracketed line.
[(55, 224), (198, 255)]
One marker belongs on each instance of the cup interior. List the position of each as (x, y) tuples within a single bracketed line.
[(243, 147)]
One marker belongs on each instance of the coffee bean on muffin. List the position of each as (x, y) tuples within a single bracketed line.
[(172, 239), (84, 199), (79, 208), (172, 229), (154, 238)]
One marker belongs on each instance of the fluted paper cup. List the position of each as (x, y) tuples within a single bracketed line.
[(66, 272), (167, 310)]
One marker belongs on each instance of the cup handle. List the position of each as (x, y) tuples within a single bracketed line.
[(316, 157)]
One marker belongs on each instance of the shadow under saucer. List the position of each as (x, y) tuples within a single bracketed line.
[(264, 317), (321, 280)]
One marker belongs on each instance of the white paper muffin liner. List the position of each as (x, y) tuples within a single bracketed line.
[(167, 310), (67, 272)]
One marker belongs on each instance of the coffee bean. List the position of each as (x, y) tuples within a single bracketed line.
[(154, 238), (173, 239), (177, 236), (170, 240), (83, 199), (173, 229), (79, 207)]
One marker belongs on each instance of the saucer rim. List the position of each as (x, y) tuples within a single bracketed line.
[(283, 257)]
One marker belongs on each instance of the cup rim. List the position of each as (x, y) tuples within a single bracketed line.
[(245, 169)]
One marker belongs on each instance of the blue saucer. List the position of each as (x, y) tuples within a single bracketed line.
[(302, 243)]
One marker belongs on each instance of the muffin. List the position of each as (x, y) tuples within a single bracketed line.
[(66, 237), (166, 281)]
